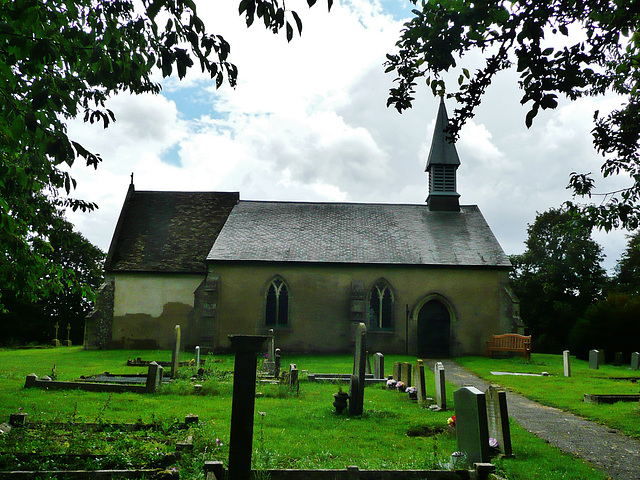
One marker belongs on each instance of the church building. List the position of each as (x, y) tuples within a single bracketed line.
[(428, 280)]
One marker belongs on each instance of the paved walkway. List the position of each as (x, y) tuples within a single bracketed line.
[(616, 454)]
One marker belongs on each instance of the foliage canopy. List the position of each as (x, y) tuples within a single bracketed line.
[(61, 59), (559, 48), (557, 277)]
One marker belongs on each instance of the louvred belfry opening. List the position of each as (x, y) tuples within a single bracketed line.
[(442, 165)]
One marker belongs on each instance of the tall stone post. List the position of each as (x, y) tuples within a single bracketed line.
[(246, 348)]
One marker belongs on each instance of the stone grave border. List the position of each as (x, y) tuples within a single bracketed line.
[(599, 399), (20, 421), (154, 380), (214, 470)]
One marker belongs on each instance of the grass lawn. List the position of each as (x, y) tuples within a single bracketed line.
[(292, 430), (567, 393)]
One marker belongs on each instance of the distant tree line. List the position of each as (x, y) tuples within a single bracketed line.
[(28, 320), (567, 301)]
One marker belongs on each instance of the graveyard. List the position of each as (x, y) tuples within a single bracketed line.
[(185, 424)]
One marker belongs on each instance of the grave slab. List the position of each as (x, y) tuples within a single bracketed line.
[(566, 362), (472, 430), (498, 418), (594, 359)]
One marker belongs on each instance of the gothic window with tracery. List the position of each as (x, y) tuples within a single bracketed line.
[(277, 304), (381, 306)]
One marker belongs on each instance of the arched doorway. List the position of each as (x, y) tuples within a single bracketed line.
[(434, 330)]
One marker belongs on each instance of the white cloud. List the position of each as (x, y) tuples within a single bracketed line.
[(308, 121)]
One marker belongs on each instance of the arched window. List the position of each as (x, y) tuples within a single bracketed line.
[(277, 305), (381, 306)]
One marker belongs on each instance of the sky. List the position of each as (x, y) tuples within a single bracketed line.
[(308, 121)]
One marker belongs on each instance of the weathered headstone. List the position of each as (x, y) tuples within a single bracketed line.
[(405, 373), (356, 387), (198, 356), (246, 348), (498, 418), (151, 385), (378, 365), (367, 367), (441, 389), (269, 364), (175, 354), (55, 342), (601, 357), (472, 430), (293, 375), (421, 386), (566, 361), (594, 359), (67, 342), (276, 362), (396, 371), (635, 361), (617, 361)]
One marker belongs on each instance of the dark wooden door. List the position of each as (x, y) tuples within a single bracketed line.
[(433, 330)]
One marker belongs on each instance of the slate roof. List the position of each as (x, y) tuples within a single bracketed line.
[(168, 232), (357, 233)]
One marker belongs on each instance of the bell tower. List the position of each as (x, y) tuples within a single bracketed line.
[(442, 164)]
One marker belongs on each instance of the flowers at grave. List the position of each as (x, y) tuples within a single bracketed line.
[(411, 390), (451, 421), (219, 443), (391, 383), (493, 443), (401, 386)]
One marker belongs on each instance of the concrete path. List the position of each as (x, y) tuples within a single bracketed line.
[(616, 454)]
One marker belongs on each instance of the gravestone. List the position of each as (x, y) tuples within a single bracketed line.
[(405, 373), (246, 348), (594, 359), (269, 362), (198, 356), (378, 365), (618, 359), (175, 354), (152, 383), (635, 361), (356, 387), (441, 389), (566, 360), (276, 361), (367, 368), (601, 357), (421, 386), (67, 342), (472, 430), (498, 419), (293, 375), (396, 371), (55, 342)]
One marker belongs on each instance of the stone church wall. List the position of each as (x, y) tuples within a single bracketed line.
[(321, 304), (147, 307)]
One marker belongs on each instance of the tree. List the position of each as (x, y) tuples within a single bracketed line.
[(64, 58), (26, 321), (604, 56), (557, 277), (610, 324), (627, 271)]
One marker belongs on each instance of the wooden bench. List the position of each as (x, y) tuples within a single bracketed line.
[(510, 342)]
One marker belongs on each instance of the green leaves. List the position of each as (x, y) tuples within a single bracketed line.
[(602, 60), (62, 57)]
